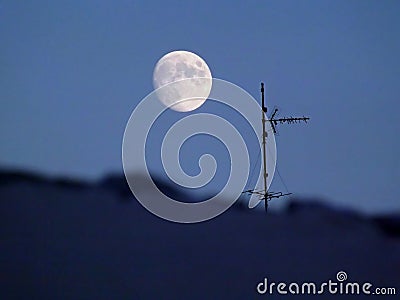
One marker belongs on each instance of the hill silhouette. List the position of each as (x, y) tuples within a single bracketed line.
[(63, 238)]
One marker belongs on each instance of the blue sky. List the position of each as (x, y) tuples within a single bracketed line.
[(73, 71)]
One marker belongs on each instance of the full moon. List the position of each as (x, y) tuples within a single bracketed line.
[(171, 88)]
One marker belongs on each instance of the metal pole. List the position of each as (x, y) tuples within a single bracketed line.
[(263, 111)]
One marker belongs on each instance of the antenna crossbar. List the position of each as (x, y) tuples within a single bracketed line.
[(288, 120)]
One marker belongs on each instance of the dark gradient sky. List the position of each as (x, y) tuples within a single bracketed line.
[(72, 72)]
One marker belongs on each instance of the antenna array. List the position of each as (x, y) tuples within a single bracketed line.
[(265, 194)]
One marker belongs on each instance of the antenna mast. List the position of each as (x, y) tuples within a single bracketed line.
[(265, 194), (264, 137)]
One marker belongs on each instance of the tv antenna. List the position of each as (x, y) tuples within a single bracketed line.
[(265, 194)]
